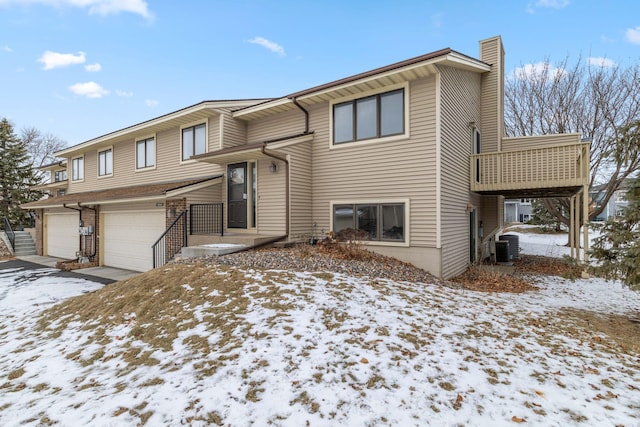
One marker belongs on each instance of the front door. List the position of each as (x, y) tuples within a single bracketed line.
[(237, 195)]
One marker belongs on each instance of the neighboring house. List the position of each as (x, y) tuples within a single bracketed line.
[(58, 182), (412, 156), (616, 204), (517, 210)]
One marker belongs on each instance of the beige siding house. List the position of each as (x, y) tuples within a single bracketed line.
[(410, 159)]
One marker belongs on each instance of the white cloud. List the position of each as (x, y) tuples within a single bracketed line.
[(553, 4), (53, 60), (124, 94), (151, 103), (6, 48), (633, 35), (436, 19), (93, 68), (537, 71), (272, 46), (601, 62), (89, 89), (96, 7)]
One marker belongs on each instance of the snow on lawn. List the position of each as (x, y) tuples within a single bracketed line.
[(323, 349)]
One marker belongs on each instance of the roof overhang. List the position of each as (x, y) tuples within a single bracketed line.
[(178, 118), (51, 185), (59, 165), (253, 151), (411, 69), (134, 194)]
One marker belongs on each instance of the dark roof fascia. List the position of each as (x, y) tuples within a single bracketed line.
[(380, 70), (262, 100), (88, 197)]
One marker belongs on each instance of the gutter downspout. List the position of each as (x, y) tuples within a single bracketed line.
[(93, 235), (306, 114), (286, 162), (80, 215)]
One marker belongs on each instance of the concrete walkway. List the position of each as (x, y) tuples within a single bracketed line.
[(111, 273)]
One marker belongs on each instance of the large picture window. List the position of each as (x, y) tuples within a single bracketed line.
[(105, 162), (77, 169), (370, 221), (194, 141), (371, 117), (145, 153)]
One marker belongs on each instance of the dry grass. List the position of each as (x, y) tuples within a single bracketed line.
[(163, 304), (484, 279), (489, 278)]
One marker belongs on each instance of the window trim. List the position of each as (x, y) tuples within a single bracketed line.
[(72, 168), (155, 153), (391, 88), (99, 151), (206, 139), (407, 215)]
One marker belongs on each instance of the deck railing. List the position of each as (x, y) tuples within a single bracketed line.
[(171, 241), (564, 165), (206, 218)]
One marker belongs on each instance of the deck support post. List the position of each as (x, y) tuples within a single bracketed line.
[(572, 226)]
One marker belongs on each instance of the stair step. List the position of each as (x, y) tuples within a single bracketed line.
[(24, 244)]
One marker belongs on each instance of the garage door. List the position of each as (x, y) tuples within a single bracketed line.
[(128, 236), (63, 238)]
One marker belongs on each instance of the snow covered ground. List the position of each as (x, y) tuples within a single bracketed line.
[(325, 349)]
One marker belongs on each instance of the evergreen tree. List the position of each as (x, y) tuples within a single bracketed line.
[(16, 175), (618, 247), (542, 217)]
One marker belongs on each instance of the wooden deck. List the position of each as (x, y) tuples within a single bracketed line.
[(549, 171)]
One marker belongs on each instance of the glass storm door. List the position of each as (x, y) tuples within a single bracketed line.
[(237, 195)]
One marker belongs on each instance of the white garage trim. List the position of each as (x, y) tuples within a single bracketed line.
[(127, 237), (62, 238)]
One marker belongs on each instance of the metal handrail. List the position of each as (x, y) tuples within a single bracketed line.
[(160, 250), (10, 233)]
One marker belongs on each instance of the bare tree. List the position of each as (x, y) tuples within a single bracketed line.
[(41, 147), (598, 101)]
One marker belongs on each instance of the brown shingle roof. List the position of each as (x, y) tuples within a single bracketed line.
[(113, 194)]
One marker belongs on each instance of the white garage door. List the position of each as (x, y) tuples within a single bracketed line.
[(128, 237), (63, 237)]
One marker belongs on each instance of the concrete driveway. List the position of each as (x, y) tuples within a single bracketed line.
[(97, 274)]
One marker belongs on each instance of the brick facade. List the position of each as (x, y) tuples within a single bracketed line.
[(91, 217)]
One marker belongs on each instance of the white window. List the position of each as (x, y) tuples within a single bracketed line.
[(146, 153), (105, 162), (375, 116), (194, 141), (77, 169)]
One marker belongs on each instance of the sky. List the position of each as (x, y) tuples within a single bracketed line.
[(303, 348), (78, 69)]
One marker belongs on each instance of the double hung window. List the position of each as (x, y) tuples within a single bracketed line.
[(145, 153), (194, 141), (105, 162), (77, 169)]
